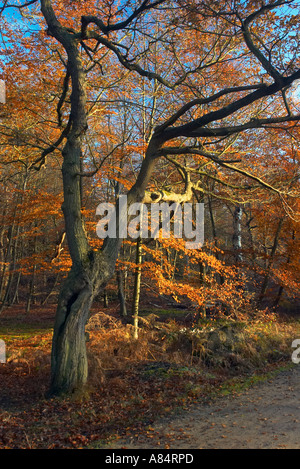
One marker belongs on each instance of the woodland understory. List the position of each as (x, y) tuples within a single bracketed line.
[(186, 102)]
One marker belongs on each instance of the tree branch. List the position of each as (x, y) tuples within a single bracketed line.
[(202, 101), (252, 47), (196, 128), (222, 163), (131, 66), (51, 149), (63, 96), (88, 19), (19, 7)]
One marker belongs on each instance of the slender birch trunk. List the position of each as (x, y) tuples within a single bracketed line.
[(137, 286)]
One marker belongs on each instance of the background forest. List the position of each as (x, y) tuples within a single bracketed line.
[(251, 210), (218, 82)]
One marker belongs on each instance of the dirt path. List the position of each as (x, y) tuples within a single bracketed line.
[(264, 417)]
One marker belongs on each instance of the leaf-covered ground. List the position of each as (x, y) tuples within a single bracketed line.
[(265, 416), (132, 384)]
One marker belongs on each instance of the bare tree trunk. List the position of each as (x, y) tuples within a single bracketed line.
[(137, 286), (121, 293), (214, 234), (32, 280), (11, 274), (4, 240), (278, 296), (15, 297), (69, 356), (105, 299), (44, 301), (249, 219), (11, 252), (31, 289), (281, 288), (237, 233), (269, 264)]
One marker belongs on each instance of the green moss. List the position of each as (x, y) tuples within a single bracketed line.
[(238, 384)]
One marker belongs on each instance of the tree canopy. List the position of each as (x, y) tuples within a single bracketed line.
[(176, 102)]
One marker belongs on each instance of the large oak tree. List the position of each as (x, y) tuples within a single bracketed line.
[(252, 49)]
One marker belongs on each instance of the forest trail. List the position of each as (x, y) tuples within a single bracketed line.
[(266, 416)]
